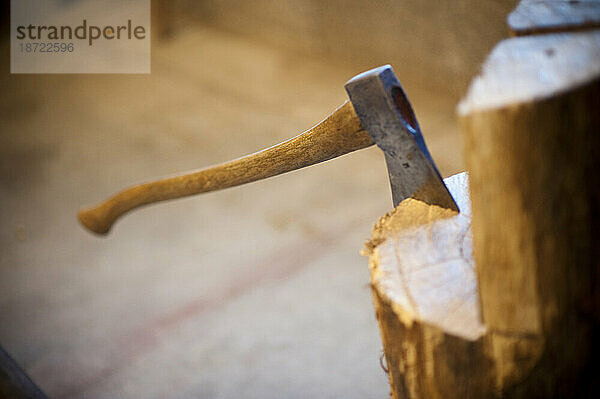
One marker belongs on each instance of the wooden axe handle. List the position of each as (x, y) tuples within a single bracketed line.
[(338, 134)]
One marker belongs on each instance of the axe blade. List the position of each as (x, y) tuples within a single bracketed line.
[(386, 114)]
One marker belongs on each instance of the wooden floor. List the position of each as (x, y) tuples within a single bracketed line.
[(257, 291)]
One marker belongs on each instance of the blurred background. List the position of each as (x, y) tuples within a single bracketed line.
[(257, 291)]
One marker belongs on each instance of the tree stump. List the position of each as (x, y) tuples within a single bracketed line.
[(511, 307)]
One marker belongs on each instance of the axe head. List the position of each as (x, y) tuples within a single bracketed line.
[(386, 114)]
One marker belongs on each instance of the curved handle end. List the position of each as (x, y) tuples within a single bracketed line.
[(93, 221)]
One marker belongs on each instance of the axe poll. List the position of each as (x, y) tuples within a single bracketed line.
[(378, 112)]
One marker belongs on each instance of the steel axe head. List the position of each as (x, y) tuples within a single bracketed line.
[(386, 114)]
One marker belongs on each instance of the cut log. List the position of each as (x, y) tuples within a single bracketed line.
[(536, 17), (425, 297), (531, 124), (515, 310), (425, 293)]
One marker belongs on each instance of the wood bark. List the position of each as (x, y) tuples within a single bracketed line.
[(517, 313)]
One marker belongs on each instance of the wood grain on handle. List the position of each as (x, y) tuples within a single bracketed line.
[(338, 134)]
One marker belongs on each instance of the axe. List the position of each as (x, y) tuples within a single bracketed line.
[(378, 113)]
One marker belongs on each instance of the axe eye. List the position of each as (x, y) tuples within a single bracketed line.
[(404, 108)]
